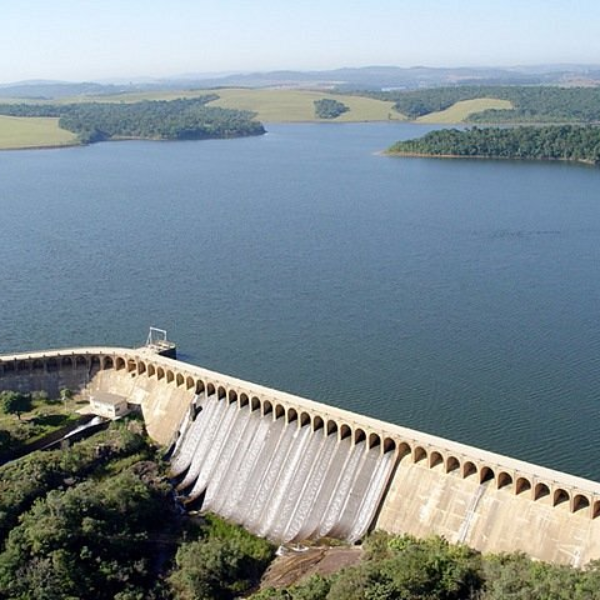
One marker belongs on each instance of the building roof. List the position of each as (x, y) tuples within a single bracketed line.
[(107, 399)]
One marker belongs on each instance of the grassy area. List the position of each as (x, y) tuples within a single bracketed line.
[(44, 417), (32, 132), (132, 97), (278, 106), (462, 110), (272, 105)]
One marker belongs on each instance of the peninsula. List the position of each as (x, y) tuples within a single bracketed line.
[(179, 119), (556, 142)]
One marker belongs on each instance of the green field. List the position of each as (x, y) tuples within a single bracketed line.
[(290, 106), (272, 105), (137, 96), (32, 132), (462, 110), (286, 106)]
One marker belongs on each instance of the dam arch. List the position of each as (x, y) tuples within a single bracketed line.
[(468, 469), (486, 474), (419, 455), (345, 431), (522, 486), (452, 465), (561, 497), (435, 459), (541, 491), (267, 407), (389, 445), (505, 480), (403, 450), (374, 441), (359, 436), (580, 504)]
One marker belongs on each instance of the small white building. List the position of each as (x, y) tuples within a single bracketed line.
[(110, 406)]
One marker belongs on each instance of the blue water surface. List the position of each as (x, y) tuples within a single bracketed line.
[(457, 297)]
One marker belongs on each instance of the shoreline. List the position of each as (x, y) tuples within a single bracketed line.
[(75, 144), (581, 161)]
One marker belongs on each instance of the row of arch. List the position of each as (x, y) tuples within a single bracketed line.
[(50, 364), (406, 451), (519, 484)]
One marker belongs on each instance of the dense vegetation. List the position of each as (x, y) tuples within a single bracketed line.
[(99, 520), (182, 119), (558, 142), (326, 108), (403, 568), (224, 563), (24, 481), (537, 104)]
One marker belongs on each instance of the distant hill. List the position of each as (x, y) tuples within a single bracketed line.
[(383, 77), (51, 90), (374, 78)]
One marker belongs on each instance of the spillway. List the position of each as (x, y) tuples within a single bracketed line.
[(280, 479), (292, 469)]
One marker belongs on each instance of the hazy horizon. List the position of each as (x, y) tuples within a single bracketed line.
[(534, 68), (68, 40)]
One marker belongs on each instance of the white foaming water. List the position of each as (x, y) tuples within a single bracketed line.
[(278, 479), (190, 437), (227, 454), (212, 457), (235, 503), (210, 431), (216, 500), (308, 513)]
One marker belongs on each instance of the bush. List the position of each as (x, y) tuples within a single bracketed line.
[(225, 563)]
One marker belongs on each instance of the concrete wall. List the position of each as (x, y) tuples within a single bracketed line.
[(490, 501), (43, 374), (163, 405), (423, 501)]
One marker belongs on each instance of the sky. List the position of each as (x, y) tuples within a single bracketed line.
[(96, 40)]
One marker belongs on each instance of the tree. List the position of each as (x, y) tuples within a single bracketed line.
[(329, 109), (14, 403), (224, 564)]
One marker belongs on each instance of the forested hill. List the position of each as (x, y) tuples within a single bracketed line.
[(182, 119), (530, 104), (557, 142)]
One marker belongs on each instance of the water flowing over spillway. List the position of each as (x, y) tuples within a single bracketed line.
[(281, 480)]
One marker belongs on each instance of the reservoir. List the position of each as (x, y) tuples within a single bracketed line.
[(456, 297)]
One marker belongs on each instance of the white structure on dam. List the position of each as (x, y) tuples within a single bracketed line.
[(291, 469)]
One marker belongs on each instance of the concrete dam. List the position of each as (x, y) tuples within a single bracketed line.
[(292, 469)]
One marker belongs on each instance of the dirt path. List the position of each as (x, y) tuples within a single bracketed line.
[(294, 566)]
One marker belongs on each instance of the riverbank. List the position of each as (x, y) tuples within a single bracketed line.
[(589, 163)]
